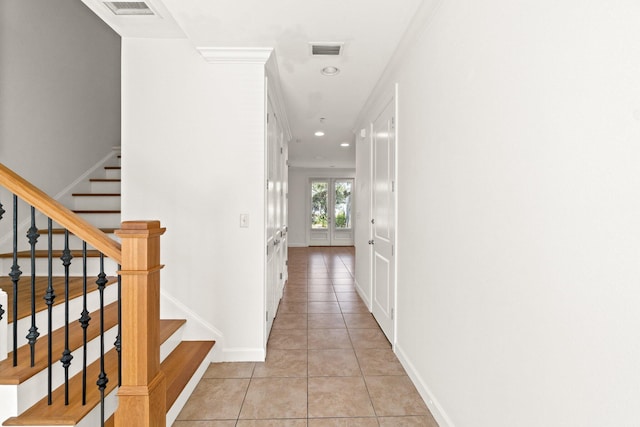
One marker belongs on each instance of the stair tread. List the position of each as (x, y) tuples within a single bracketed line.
[(97, 211), (56, 253), (59, 414), (17, 375), (169, 327), (62, 230), (181, 364), (24, 292), (96, 194)]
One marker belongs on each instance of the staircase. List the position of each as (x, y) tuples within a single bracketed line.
[(74, 398)]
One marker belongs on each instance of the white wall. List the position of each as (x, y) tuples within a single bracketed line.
[(518, 206), (298, 199), (193, 157), (59, 90)]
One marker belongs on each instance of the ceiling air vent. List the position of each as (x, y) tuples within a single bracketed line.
[(129, 7), (331, 49)]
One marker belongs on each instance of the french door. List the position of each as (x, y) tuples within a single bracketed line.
[(331, 206)]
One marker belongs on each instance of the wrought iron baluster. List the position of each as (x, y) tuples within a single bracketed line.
[(102, 378), (49, 297), (84, 322), (15, 278), (66, 354), (32, 336), (118, 343)]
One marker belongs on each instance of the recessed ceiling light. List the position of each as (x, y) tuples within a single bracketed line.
[(330, 71), (319, 133), (344, 144)]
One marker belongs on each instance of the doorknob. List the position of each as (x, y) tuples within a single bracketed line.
[(371, 242)]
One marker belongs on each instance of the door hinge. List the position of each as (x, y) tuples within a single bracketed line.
[(267, 316), (286, 262), (373, 221), (393, 122), (281, 150), (393, 186), (267, 184), (391, 250), (392, 313), (267, 117), (280, 276)]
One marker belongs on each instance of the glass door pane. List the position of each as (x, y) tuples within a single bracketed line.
[(319, 205), (342, 205)]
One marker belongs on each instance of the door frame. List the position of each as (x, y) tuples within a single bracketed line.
[(391, 96)]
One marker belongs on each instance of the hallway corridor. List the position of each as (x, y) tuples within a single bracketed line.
[(328, 363)]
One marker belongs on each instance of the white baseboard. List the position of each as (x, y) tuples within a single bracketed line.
[(365, 298), (297, 245), (243, 355), (434, 406), (197, 329)]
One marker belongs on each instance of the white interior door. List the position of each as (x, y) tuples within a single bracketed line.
[(276, 217), (331, 219), (383, 220)]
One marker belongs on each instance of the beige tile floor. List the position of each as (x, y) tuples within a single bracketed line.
[(328, 363)]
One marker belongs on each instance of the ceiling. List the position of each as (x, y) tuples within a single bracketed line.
[(369, 29)]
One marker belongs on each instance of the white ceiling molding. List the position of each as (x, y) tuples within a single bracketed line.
[(236, 55), (385, 86)]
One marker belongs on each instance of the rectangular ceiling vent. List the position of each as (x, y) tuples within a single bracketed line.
[(129, 7), (330, 49)]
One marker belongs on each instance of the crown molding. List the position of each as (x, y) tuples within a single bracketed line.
[(236, 55)]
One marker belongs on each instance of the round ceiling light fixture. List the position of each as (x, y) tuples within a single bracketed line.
[(344, 144), (319, 133), (330, 71)]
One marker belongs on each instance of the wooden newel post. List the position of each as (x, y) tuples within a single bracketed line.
[(142, 395)]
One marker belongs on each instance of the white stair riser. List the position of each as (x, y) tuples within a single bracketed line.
[(35, 388), (17, 399), (96, 202), (103, 220), (112, 173), (42, 267), (75, 310), (105, 187)]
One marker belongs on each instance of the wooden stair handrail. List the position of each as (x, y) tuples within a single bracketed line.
[(60, 214)]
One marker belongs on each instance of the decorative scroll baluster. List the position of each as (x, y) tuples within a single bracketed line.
[(49, 297), (102, 378), (15, 278), (84, 322), (32, 336), (118, 342), (66, 354)]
